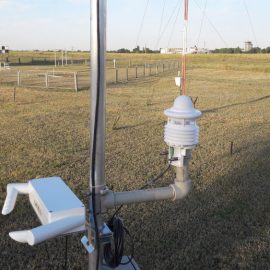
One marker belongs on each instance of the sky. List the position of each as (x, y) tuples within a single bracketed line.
[(65, 24)]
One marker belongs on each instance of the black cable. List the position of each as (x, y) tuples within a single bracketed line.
[(166, 25), (153, 181), (148, 182), (113, 252), (250, 21), (172, 32), (161, 20), (93, 157), (142, 22), (201, 25), (210, 22)]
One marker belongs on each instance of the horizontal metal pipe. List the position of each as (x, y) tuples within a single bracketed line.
[(176, 191), (112, 199), (173, 192)]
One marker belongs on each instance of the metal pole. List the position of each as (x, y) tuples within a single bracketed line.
[(76, 81), (116, 75), (18, 77), (183, 84), (127, 73), (66, 56), (46, 80), (55, 58), (97, 97), (62, 58)]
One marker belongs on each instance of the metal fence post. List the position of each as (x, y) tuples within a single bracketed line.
[(127, 73), (136, 72), (14, 94), (18, 78), (116, 75), (163, 67), (46, 80), (143, 70), (76, 81), (150, 70), (156, 69)]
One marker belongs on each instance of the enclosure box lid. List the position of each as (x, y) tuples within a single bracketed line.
[(52, 196)]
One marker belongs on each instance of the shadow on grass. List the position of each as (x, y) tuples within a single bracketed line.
[(130, 126), (223, 225), (235, 104)]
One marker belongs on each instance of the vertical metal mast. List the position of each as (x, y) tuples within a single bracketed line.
[(184, 52), (98, 88)]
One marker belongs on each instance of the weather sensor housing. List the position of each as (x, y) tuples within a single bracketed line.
[(57, 207), (181, 130)]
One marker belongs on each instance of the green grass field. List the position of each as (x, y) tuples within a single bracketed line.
[(224, 223)]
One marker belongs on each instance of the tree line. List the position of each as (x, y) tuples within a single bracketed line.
[(221, 50), (239, 50), (135, 50)]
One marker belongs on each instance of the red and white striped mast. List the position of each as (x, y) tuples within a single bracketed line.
[(184, 52)]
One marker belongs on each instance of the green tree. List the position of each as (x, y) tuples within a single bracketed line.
[(137, 49)]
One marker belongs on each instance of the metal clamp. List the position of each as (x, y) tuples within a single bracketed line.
[(105, 236), (89, 247)]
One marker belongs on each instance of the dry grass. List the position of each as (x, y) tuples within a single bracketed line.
[(223, 223)]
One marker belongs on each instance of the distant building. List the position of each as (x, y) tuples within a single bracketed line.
[(191, 50), (171, 50), (248, 46), (4, 49)]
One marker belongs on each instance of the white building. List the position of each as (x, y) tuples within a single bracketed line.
[(191, 50), (171, 50), (248, 46), (4, 49)]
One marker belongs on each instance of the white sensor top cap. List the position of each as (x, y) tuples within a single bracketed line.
[(183, 109)]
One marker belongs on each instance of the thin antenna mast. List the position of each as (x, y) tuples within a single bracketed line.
[(184, 52)]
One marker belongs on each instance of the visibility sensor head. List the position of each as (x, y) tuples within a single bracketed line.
[(57, 207)]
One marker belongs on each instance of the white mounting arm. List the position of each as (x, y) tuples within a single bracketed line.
[(12, 191), (50, 230)]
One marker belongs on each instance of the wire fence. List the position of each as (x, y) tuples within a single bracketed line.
[(80, 80), (39, 61)]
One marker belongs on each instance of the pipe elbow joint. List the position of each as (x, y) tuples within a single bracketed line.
[(181, 189)]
